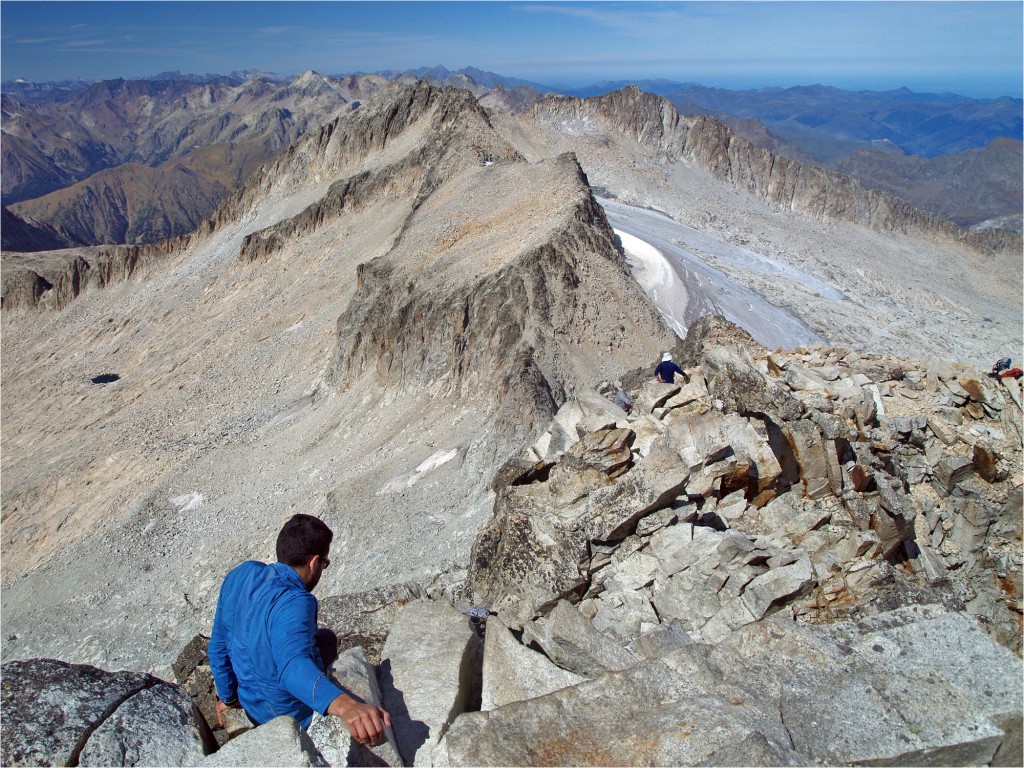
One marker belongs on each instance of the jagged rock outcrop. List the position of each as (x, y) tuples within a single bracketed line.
[(456, 133), (462, 302), (807, 189), (53, 280), (777, 480)]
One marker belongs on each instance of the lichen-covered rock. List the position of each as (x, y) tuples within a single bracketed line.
[(363, 619), (156, 726), (52, 711)]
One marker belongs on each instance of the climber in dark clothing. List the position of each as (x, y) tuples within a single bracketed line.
[(667, 370)]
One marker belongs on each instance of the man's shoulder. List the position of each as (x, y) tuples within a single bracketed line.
[(249, 566), (245, 571)]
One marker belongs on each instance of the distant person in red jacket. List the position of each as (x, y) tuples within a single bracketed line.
[(667, 370)]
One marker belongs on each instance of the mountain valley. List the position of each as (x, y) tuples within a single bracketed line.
[(207, 134), (409, 317)]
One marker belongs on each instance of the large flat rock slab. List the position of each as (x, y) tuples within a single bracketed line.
[(281, 742), (916, 686), (427, 668)]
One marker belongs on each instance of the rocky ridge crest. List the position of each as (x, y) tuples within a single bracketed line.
[(338, 148), (810, 190)]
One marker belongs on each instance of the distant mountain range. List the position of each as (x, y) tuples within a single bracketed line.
[(135, 161), (830, 122)]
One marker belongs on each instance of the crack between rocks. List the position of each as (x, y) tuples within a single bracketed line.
[(76, 753), (782, 720)]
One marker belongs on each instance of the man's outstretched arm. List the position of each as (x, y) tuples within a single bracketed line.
[(292, 631)]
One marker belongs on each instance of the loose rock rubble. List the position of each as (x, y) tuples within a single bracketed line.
[(785, 558), (819, 481)]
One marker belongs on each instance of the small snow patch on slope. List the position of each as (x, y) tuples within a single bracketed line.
[(188, 502), (408, 480)]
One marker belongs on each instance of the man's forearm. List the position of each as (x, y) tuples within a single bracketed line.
[(309, 684)]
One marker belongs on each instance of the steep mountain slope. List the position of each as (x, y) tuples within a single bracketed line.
[(966, 188), (19, 235), (366, 331), (41, 152), (910, 284), (131, 203), (217, 132)]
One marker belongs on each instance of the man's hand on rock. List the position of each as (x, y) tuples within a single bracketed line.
[(364, 721), (222, 707)]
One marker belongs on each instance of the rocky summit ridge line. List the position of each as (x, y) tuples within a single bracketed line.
[(819, 193), (238, 394), (363, 333)]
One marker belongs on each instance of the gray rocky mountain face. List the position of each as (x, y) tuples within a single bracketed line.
[(369, 331), (776, 561)]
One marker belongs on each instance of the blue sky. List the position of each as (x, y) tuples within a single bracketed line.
[(973, 48)]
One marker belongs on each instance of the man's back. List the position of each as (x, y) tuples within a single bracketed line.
[(262, 637), (667, 370)]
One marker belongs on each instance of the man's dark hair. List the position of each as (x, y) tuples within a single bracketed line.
[(302, 537)]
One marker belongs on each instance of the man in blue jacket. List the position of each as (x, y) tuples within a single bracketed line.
[(262, 648)]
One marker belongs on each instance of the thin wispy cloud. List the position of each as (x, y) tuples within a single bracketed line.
[(869, 44)]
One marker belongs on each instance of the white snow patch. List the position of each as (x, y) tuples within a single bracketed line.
[(437, 459), (656, 276), (188, 502)]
